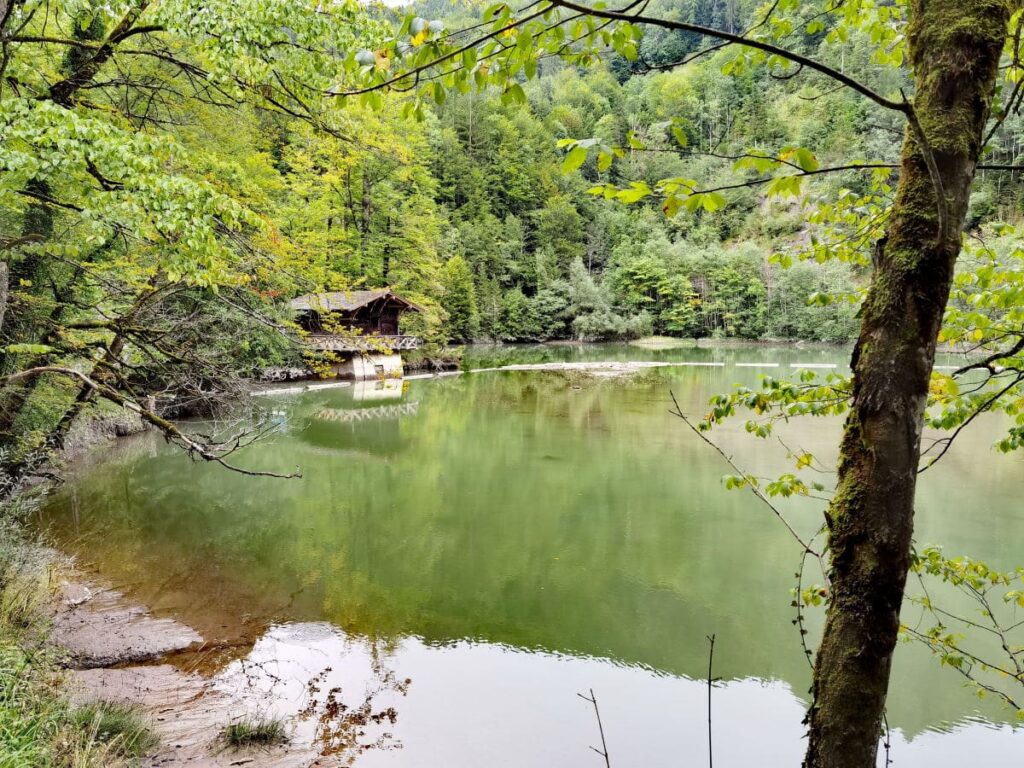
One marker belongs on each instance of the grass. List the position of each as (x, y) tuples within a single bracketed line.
[(263, 732), (38, 725), (115, 724)]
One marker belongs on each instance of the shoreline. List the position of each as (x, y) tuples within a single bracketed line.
[(100, 649)]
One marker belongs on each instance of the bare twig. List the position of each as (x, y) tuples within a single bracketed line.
[(603, 751), (887, 744), (711, 683), (753, 488), (989, 361), (947, 442), (205, 451), (798, 604)]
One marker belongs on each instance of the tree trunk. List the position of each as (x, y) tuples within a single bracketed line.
[(367, 206), (3, 295), (954, 51), (25, 322), (35, 275)]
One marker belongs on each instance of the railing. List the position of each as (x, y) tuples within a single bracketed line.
[(368, 414), (329, 342)]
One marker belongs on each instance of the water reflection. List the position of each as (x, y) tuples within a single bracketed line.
[(478, 704), (369, 391), (508, 539), (340, 696), (361, 418)]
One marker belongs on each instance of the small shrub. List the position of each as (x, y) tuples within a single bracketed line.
[(262, 732)]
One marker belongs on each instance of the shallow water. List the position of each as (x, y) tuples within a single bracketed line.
[(505, 540)]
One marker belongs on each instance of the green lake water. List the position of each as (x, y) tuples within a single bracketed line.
[(505, 539)]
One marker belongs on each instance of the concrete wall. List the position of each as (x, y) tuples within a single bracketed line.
[(370, 366)]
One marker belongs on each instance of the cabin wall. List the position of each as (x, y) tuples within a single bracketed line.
[(310, 321), (384, 321), (387, 323)]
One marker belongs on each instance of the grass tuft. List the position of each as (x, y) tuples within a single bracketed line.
[(262, 732), (118, 725)]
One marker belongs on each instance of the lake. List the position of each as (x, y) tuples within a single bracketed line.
[(468, 553)]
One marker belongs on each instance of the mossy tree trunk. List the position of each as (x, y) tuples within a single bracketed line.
[(954, 48), (42, 285), (25, 324)]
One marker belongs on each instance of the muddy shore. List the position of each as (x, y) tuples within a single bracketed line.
[(116, 651)]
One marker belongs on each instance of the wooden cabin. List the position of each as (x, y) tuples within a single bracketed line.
[(362, 327)]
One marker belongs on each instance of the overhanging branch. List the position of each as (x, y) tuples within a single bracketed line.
[(205, 451), (730, 37)]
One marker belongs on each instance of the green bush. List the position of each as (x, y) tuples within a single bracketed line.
[(263, 732)]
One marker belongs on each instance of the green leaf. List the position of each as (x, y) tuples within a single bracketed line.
[(712, 201), (514, 94), (784, 185), (806, 159), (636, 192), (574, 159), (492, 12)]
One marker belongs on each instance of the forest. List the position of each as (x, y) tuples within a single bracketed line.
[(470, 205), (833, 175), (471, 210)]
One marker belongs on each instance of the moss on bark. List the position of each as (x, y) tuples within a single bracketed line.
[(954, 50)]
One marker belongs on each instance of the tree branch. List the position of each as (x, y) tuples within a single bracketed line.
[(754, 489), (193, 447), (719, 34)]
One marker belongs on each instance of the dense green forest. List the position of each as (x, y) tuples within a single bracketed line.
[(471, 211), (187, 192)]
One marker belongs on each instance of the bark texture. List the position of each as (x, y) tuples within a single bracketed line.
[(954, 47), (3, 295)]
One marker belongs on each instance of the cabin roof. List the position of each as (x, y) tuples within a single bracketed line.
[(346, 301)]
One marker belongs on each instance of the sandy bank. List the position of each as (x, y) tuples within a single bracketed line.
[(113, 647)]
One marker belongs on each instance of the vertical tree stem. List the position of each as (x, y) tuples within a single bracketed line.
[(711, 682)]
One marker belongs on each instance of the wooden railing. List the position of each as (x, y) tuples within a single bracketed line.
[(394, 411), (329, 342)]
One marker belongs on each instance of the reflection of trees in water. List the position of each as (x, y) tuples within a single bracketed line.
[(330, 719), (342, 728), (538, 511)]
